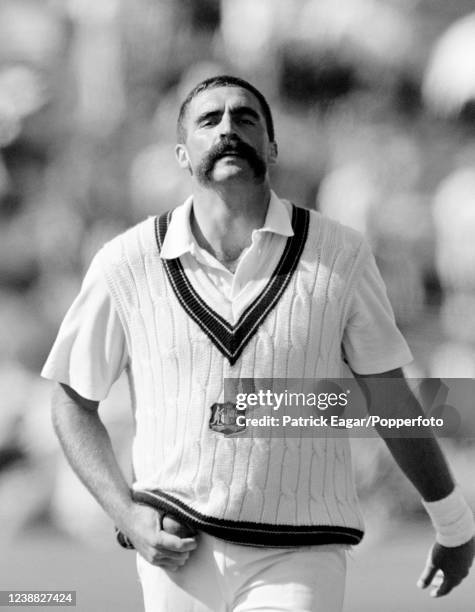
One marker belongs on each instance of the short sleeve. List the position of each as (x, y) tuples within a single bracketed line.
[(372, 342), (90, 351)]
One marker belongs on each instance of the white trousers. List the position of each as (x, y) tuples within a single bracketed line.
[(224, 577)]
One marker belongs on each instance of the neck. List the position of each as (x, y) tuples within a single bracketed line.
[(223, 219)]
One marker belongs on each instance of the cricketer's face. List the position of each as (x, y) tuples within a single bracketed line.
[(226, 137)]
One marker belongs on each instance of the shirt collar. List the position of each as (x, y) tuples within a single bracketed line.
[(179, 238)]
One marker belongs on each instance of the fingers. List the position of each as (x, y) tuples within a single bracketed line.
[(445, 587), (427, 575), (442, 584), (446, 567), (156, 545), (172, 563), (170, 551), (446, 584), (174, 543), (434, 577)]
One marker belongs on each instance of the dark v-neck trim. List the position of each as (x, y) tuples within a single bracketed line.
[(232, 339)]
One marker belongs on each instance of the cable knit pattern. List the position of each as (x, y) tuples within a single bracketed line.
[(277, 491)]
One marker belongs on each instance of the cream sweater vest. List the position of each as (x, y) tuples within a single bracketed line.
[(265, 492)]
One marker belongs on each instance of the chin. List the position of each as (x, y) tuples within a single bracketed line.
[(230, 174)]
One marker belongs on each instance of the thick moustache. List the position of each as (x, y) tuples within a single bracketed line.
[(231, 148)]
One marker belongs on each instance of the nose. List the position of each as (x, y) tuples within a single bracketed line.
[(227, 126)]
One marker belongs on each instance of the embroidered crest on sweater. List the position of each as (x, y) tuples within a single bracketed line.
[(223, 418)]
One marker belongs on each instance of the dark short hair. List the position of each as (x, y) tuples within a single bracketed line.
[(223, 80)]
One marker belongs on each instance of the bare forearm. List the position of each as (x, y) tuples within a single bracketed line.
[(418, 454), (423, 463), (88, 448), (415, 450)]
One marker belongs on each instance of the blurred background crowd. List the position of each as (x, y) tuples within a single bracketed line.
[(374, 106)]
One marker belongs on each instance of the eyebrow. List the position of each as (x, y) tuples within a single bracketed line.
[(239, 110)]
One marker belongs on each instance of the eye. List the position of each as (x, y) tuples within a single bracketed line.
[(208, 122)]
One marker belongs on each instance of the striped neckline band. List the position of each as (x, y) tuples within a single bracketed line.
[(230, 339)]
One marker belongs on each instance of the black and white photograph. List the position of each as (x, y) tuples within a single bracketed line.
[(237, 305)]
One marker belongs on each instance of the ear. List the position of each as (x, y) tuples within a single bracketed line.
[(181, 155), (273, 152)]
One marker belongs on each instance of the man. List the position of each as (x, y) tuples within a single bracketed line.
[(236, 283)]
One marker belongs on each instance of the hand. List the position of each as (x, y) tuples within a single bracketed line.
[(449, 566), (159, 545), (172, 525)]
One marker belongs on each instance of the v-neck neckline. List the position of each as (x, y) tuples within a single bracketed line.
[(229, 338)]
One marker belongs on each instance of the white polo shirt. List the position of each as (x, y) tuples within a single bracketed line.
[(255, 265), (90, 351)]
